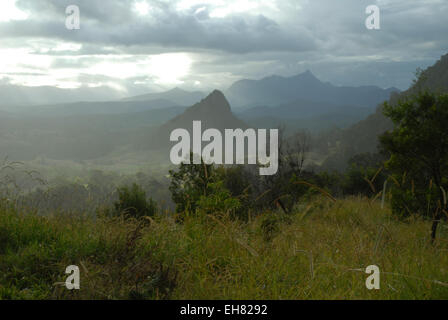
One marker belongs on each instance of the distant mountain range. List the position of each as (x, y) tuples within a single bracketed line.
[(87, 130), (362, 136), (172, 98), (270, 91), (302, 101), (276, 90), (16, 95), (177, 96), (142, 124), (46, 101)]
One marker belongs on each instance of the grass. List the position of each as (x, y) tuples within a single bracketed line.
[(320, 251)]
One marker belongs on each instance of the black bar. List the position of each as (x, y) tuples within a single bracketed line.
[(223, 309)]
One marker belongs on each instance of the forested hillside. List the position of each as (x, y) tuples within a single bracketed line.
[(362, 137)]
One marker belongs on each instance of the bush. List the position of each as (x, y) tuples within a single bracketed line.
[(365, 175), (132, 201), (218, 201), (189, 183), (413, 196), (418, 148)]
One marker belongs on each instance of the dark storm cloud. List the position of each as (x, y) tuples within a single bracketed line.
[(116, 23), (336, 27), (283, 37)]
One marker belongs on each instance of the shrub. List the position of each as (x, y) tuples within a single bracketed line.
[(189, 183), (218, 201), (132, 201), (418, 146)]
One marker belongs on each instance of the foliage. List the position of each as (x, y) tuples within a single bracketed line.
[(241, 182), (107, 250), (418, 148), (272, 224), (320, 253), (202, 188), (218, 201), (132, 202), (365, 175), (189, 183), (408, 199), (281, 190)]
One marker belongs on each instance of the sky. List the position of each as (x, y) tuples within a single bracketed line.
[(141, 46)]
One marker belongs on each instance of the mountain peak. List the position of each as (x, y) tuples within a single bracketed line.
[(308, 75), (176, 89), (214, 101), (274, 91), (213, 111), (216, 94), (308, 72)]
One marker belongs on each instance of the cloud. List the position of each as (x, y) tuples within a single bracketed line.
[(117, 23), (215, 42)]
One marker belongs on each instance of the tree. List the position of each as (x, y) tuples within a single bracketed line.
[(241, 182), (418, 145), (132, 201), (365, 174), (281, 188), (189, 183), (219, 200)]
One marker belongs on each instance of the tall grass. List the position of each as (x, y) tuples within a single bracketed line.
[(319, 251)]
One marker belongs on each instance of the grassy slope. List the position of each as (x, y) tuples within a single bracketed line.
[(319, 252)]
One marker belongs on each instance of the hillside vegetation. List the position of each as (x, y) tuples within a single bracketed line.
[(318, 251), (363, 136), (205, 231)]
